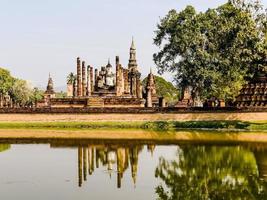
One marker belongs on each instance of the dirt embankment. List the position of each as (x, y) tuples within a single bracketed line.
[(136, 135), (250, 116)]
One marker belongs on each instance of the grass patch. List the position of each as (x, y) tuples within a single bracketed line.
[(149, 125)]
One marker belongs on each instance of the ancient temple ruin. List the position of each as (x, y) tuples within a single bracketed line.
[(254, 94), (102, 88), (124, 83)]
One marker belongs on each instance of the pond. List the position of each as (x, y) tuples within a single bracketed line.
[(131, 169)]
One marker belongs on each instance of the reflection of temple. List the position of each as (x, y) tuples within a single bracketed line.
[(103, 88), (114, 158), (119, 158)]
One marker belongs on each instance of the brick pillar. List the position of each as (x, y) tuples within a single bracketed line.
[(79, 77), (149, 98), (92, 79), (117, 76), (133, 84), (138, 85), (83, 79), (75, 88), (140, 94), (126, 87), (88, 81), (96, 75)]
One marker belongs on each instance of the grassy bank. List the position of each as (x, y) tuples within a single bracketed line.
[(149, 125)]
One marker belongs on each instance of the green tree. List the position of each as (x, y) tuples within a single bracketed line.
[(21, 92), (212, 52), (71, 78), (37, 95), (61, 94), (6, 81), (165, 89)]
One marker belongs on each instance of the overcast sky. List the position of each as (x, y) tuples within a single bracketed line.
[(42, 36)]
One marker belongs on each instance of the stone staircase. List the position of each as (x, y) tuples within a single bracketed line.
[(93, 102)]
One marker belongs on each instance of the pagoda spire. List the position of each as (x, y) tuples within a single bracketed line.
[(132, 45), (132, 60), (50, 84)]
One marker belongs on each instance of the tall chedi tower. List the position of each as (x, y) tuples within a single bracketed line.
[(49, 93), (134, 74)]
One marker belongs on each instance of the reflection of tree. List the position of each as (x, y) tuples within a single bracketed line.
[(210, 173), (4, 147)]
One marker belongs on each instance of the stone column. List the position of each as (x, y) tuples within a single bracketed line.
[(138, 86), (149, 98), (79, 77), (133, 84), (75, 88), (126, 88), (88, 81), (92, 79), (83, 79), (117, 76), (140, 94), (96, 75)]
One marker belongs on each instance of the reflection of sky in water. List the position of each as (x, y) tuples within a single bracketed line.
[(40, 172)]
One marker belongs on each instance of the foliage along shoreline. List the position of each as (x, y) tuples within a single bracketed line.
[(147, 125)]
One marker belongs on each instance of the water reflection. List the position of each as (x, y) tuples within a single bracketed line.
[(4, 147), (212, 172), (116, 159), (189, 171)]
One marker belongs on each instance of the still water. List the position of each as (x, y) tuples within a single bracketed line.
[(105, 169)]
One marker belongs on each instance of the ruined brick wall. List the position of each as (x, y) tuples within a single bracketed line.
[(133, 110)]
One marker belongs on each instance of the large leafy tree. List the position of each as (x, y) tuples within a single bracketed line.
[(212, 52), (20, 91), (6, 81), (164, 89), (37, 95)]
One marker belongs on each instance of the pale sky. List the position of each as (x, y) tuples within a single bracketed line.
[(42, 36)]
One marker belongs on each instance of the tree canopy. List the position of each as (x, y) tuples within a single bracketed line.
[(213, 52), (164, 89), (6, 81), (20, 91)]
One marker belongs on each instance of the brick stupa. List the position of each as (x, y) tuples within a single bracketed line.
[(254, 94)]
